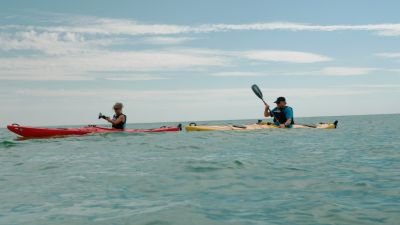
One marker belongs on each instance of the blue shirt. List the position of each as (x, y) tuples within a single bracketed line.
[(287, 111)]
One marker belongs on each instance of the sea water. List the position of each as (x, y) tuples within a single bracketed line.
[(350, 175)]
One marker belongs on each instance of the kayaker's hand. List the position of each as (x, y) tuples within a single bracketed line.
[(105, 117), (282, 126), (267, 111)]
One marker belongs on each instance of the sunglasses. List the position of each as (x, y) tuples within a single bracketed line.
[(117, 108)]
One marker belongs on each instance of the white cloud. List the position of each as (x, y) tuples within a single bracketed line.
[(136, 77), (286, 56), (326, 71), (346, 71), (52, 43), (238, 74), (46, 77), (109, 26), (389, 54), (382, 29), (372, 86), (84, 64), (73, 47), (390, 32), (67, 23), (175, 95), (193, 94), (164, 40)]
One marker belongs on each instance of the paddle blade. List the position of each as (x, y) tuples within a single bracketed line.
[(257, 91)]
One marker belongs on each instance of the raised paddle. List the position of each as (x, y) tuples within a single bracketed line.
[(258, 92)]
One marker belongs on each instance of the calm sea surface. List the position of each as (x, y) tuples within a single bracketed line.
[(350, 175)]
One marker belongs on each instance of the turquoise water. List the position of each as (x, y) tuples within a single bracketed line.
[(350, 175)]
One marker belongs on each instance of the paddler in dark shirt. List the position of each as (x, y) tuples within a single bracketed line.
[(119, 119), (283, 115)]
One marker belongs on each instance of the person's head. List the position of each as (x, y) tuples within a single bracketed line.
[(118, 107), (280, 102)]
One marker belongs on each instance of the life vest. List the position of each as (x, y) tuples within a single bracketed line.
[(279, 115), (120, 125)]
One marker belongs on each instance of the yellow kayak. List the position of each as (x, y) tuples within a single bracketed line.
[(257, 126)]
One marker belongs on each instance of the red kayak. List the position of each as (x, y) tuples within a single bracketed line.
[(39, 132)]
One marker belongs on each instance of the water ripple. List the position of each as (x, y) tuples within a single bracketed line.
[(343, 176)]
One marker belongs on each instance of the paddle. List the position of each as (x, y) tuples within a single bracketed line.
[(307, 125), (258, 92)]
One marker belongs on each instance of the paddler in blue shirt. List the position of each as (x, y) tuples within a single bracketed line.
[(283, 114), (119, 119)]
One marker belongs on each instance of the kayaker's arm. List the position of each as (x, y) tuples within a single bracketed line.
[(267, 111), (120, 119), (288, 122)]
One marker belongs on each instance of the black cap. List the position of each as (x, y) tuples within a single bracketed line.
[(280, 99)]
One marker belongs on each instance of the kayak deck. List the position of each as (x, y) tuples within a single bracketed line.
[(256, 126), (40, 132)]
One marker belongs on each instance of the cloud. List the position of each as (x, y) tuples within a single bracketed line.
[(96, 25), (372, 86), (389, 54), (237, 74), (352, 71), (88, 63), (175, 95), (46, 77), (390, 32), (164, 40), (73, 47), (64, 23), (145, 77), (109, 26), (192, 94), (381, 29), (52, 43), (286, 56), (346, 71), (326, 71)]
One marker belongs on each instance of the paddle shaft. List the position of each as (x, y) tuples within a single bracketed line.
[(307, 125), (264, 102)]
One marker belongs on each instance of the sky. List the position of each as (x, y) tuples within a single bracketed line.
[(63, 62)]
